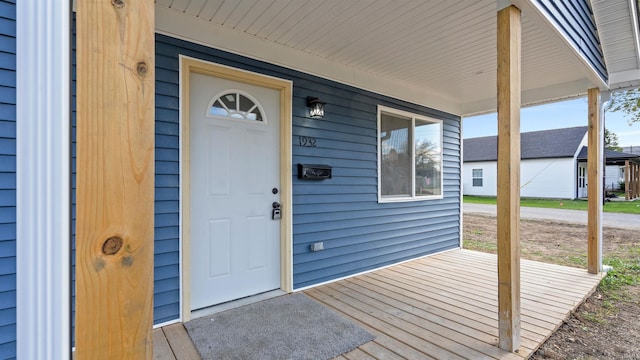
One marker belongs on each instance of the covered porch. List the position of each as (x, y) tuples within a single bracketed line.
[(441, 306), (455, 58)]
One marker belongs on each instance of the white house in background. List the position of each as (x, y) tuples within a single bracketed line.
[(554, 164), (549, 166)]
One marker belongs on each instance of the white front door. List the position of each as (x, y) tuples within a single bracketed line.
[(235, 180)]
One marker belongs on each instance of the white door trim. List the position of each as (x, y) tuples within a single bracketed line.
[(190, 65)]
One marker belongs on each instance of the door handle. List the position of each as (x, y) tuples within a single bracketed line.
[(276, 213)]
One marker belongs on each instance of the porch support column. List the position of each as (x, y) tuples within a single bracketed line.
[(632, 181), (636, 192), (115, 179), (636, 182), (627, 189), (508, 193), (594, 191)]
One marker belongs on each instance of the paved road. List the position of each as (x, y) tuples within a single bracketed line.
[(628, 221)]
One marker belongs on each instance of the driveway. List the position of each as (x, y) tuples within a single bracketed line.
[(627, 221)]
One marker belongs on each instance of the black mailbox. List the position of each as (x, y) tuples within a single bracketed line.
[(314, 172)]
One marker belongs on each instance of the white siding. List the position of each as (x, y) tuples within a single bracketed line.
[(612, 177), (539, 178), (548, 178), (489, 173)]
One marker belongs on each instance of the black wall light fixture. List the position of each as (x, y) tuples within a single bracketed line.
[(316, 107)]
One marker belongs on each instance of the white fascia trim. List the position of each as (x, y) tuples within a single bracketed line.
[(533, 10), (186, 27), (624, 79), (43, 179)]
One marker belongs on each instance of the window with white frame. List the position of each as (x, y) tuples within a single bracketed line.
[(476, 175), (409, 156)]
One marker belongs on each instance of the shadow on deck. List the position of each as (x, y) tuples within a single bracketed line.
[(441, 306)]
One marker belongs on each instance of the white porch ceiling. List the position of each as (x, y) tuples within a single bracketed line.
[(439, 53)]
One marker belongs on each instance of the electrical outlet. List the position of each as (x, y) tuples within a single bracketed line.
[(317, 246)]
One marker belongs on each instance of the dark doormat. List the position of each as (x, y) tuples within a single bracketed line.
[(286, 327)]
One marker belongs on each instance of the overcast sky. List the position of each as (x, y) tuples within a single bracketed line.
[(563, 114)]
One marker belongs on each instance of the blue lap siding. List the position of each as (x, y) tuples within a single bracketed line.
[(575, 20), (359, 233), (7, 179)]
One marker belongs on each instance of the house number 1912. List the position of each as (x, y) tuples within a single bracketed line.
[(307, 141)]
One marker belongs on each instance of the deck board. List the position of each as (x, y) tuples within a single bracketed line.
[(180, 342), (442, 306), (161, 348)]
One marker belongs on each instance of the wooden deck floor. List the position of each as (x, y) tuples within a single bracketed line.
[(441, 307)]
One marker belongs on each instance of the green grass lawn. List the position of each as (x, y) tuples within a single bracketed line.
[(628, 207)]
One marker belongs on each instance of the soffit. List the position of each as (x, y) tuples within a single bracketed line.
[(618, 29), (445, 50)]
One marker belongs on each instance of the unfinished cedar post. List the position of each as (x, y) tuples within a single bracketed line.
[(627, 189), (115, 179), (632, 182), (636, 192), (636, 180), (594, 191), (508, 194)]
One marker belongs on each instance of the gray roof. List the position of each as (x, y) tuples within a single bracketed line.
[(556, 143), (634, 149)]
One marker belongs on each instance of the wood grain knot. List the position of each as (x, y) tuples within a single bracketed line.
[(118, 3), (112, 245), (142, 69)]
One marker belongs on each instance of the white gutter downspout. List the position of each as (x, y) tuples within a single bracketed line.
[(461, 182), (605, 98), (43, 187)]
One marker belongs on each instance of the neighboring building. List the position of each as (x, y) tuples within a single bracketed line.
[(616, 164), (397, 77), (548, 168), (554, 164)]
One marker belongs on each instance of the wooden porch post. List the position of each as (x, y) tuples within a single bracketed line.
[(637, 172), (637, 181), (594, 191), (115, 179), (633, 181), (508, 193), (627, 183)]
